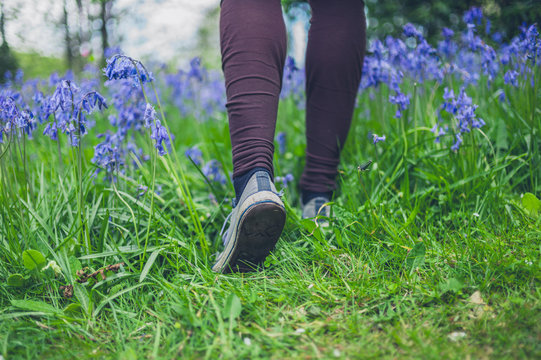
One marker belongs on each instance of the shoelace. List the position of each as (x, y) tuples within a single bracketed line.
[(225, 234)]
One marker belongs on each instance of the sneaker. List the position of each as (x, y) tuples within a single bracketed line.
[(257, 221), (317, 208)]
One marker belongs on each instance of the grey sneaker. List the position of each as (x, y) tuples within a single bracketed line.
[(316, 208), (257, 221)]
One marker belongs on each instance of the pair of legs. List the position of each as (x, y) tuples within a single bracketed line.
[(254, 44)]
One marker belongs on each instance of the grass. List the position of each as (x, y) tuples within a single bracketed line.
[(36, 65), (430, 253)]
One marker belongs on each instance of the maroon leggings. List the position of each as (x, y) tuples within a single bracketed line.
[(253, 45)]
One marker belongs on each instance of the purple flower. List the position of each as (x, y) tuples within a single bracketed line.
[(463, 110), (447, 33), (213, 171), (195, 154), (142, 189), (439, 132), (473, 16), (150, 115), (510, 77), (411, 31), (376, 139), (285, 180), (281, 139), (501, 96), (68, 104), (124, 67), (489, 63), (402, 101), (160, 136), (457, 143)]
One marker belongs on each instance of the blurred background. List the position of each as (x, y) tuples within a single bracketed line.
[(40, 36)]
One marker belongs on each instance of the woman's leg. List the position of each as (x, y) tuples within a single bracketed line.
[(253, 45), (334, 60)]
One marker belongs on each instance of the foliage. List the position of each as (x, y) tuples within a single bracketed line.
[(8, 62), (388, 17)]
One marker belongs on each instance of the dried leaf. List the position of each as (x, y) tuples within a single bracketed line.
[(476, 298)]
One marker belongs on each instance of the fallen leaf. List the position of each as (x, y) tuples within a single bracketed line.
[(456, 335), (476, 298)]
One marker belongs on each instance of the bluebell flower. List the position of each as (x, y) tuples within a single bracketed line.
[(489, 63), (438, 131), (197, 92), (293, 83), (402, 100), (497, 37), (473, 41), (149, 116), (447, 33), (195, 154), (457, 143), (142, 190), (462, 109), (411, 31), (376, 139), (501, 96), (124, 67), (160, 136), (17, 120), (285, 180), (213, 171), (281, 139), (473, 16), (511, 77), (108, 154), (196, 70)]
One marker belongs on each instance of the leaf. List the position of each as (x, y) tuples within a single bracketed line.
[(233, 307), (16, 280), (531, 203), (452, 285), (149, 264), (75, 265), (106, 300), (73, 308), (33, 305), (81, 294), (416, 256), (33, 259)]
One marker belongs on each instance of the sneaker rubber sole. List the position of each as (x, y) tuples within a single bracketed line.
[(258, 231)]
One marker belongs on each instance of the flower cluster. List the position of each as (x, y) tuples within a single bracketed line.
[(462, 109), (124, 67), (13, 118), (212, 169), (197, 91), (285, 180), (69, 106)]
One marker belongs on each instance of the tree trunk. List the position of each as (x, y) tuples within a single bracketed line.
[(67, 38), (2, 30), (104, 17)]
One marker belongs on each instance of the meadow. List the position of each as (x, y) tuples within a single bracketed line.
[(115, 183)]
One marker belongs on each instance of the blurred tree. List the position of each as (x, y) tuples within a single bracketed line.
[(83, 22), (207, 38), (105, 17), (388, 17), (8, 63), (68, 40)]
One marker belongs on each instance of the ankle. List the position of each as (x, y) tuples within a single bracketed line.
[(308, 195), (239, 182)]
